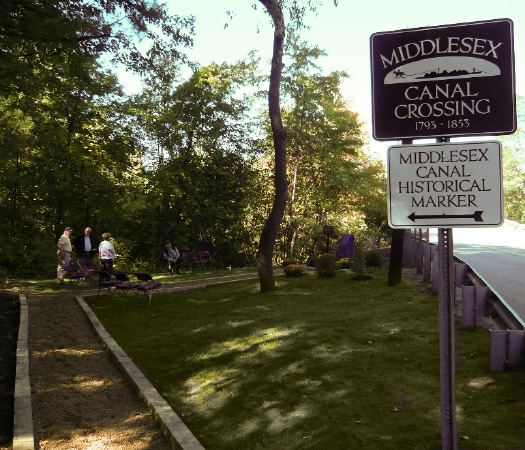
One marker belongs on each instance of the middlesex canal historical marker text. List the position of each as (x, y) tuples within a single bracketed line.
[(445, 185)]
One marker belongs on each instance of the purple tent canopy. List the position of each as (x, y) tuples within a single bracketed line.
[(346, 246)]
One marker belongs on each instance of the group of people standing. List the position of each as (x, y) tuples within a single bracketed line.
[(106, 252), (83, 248)]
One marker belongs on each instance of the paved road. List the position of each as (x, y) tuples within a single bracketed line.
[(498, 255)]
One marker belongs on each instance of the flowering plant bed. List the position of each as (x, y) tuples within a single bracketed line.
[(344, 263), (293, 270), (288, 261)]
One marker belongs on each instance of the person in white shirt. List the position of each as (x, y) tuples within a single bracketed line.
[(106, 252)]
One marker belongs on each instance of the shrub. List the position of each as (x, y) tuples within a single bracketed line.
[(359, 259), (288, 261), (373, 258), (326, 266), (312, 261), (3, 276), (293, 270)]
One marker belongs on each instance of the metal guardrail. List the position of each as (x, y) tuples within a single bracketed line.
[(479, 300), (509, 319)]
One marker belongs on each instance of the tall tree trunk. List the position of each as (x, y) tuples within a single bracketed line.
[(293, 240), (293, 223), (16, 191), (271, 228), (395, 270)]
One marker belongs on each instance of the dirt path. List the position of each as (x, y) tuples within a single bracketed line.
[(80, 398)]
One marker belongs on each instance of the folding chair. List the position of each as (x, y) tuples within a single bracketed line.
[(75, 274), (105, 281), (83, 264), (124, 283), (190, 261), (146, 284), (206, 260)]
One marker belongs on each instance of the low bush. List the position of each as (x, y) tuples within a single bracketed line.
[(373, 258), (288, 261), (293, 270), (344, 263), (326, 266), (312, 261), (359, 259)]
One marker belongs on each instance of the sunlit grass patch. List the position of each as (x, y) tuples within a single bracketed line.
[(318, 364), (209, 389), (259, 341)]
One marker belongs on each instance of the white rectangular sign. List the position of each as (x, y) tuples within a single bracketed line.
[(445, 185)]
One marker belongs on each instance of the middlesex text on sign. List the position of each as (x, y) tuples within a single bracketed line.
[(445, 185), (453, 80)]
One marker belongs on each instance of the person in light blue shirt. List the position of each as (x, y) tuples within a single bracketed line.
[(172, 255)]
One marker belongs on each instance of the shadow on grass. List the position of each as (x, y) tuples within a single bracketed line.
[(49, 283), (318, 364)]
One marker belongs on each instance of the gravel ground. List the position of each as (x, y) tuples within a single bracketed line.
[(81, 400)]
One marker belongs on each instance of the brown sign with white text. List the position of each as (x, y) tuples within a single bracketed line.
[(453, 80)]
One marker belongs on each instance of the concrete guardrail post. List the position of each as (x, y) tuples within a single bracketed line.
[(435, 268), (474, 304), (507, 349)]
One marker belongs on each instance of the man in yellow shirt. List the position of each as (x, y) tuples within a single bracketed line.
[(64, 254)]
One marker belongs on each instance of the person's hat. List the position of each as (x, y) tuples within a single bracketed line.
[(68, 229), (167, 242)]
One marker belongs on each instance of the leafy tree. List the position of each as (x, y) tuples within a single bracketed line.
[(323, 138), (370, 193), (203, 112), (514, 185), (297, 12), (39, 39), (331, 179), (66, 171), (199, 143), (65, 154), (514, 168)]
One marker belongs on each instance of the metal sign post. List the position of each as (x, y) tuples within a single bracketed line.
[(447, 336), (447, 342)]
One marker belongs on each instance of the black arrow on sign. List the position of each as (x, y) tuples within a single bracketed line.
[(476, 216)]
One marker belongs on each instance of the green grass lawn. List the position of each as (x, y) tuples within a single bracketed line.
[(319, 364)]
